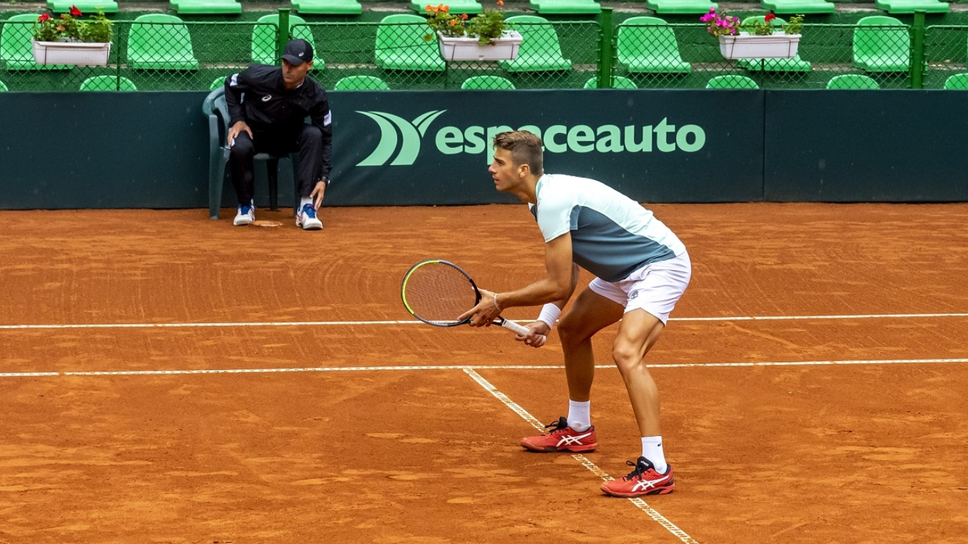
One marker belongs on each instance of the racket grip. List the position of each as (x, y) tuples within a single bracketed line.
[(512, 326)]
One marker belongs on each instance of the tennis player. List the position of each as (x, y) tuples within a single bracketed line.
[(641, 270)]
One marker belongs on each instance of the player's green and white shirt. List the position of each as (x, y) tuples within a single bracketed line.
[(611, 234)]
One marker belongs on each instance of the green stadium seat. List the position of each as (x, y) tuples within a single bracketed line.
[(218, 82), (16, 51), (852, 82), (731, 82), (205, 7), (680, 7), (158, 41), (957, 82), (87, 7), (795, 64), (794, 7), (882, 44), (470, 7), (539, 50), (264, 39), (911, 6), (487, 82), (565, 7), (647, 45), (3, 87), (400, 45), (361, 83), (217, 112), (328, 7), (618, 82), (108, 83)]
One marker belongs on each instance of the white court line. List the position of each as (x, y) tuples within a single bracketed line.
[(641, 504), (414, 322), (202, 371)]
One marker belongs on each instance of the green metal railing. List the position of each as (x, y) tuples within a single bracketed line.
[(639, 52)]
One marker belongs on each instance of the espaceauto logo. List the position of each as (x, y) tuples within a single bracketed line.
[(404, 138)]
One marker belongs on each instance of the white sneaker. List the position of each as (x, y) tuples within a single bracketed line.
[(306, 218), (244, 215)]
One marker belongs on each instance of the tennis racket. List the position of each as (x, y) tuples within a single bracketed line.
[(437, 292)]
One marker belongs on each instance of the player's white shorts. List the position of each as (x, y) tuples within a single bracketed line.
[(654, 288)]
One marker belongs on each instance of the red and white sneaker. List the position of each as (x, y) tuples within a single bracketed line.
[(562, 438), (644, 480)]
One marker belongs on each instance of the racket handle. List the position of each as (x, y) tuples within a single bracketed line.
[(511, 325)]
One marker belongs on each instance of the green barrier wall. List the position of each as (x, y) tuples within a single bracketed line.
[(149, 149)]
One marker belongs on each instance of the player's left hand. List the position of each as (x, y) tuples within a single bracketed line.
[(484, 313), (318, 193)]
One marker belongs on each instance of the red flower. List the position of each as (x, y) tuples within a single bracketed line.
[(44, 17), (500, 2), (463, 16), (75, 12), (769, 17)]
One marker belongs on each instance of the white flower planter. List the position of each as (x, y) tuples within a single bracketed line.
[(749, 46), (76, 53), (467, 48)]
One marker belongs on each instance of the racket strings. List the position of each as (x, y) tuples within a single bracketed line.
[(438, 293)]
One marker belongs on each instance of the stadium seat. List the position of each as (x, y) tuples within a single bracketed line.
[(618, 82), (328, 7), (881, 44), (565, 7), (957, 82), (795, 64), (470, 7), (400, 45), (647, 45), (108, 83), (264, 39), (158, 41), (853, 82), (217, 112), (794, 7), (3, 87), (487, 82), (911, 6), (86, 6), (539, 50), (205, 7), (219, 82), (680, 7), (361, 83), (731, 82), (16, 51)]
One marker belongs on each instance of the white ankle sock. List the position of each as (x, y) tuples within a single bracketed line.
[(579, 415), (652, 450), (304, 200)]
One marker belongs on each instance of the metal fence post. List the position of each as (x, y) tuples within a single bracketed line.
[(283, 37), (917, 51), (605, 49)]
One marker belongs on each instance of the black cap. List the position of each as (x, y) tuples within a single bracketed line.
[(298, 51)]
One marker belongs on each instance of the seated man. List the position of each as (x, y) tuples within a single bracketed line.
[(267, 108)]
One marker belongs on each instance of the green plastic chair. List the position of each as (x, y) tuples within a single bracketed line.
[(16, 51), (852, 82), (217, 112), (264, 39), (400, 45), (108, 83), (731, 82), (882, 44), (158, 41), (328, 7), (911, 6), (539, 50), (647, 45), (3, 87), (86, 6), (219, 82), (487, 82), (361, 83), (794, 64), (565, 7), (680, 7), (470, 7), (794, 7), (618, 82), (957, 82), (205, 7)]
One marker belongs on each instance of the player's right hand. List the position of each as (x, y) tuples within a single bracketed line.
[(237, 129), (538, 335)]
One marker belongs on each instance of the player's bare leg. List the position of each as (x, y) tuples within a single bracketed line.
[(637, 334)]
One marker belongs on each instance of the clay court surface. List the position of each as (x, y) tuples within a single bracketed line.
[(167, 378)]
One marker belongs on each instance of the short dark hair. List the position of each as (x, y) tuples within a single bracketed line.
[(525, 148)]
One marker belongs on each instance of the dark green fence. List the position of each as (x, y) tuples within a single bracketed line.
[(641, 52)]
